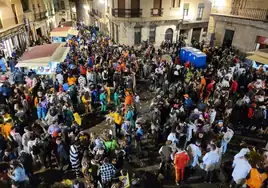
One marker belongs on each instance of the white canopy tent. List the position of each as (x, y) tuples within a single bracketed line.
[(42, 55)]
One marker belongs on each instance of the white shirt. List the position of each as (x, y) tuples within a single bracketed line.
[(172, 137), (241, 168), (211, 157), (59, 77)]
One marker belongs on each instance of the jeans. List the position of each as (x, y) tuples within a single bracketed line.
[(224, 145), (41, 112), (209, 176)]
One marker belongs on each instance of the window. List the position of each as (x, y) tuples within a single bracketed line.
[(152, 34), (200, 11), (62, 5), (137, 37), (175, 3), (15, 14), (186, 9), (25, 5)]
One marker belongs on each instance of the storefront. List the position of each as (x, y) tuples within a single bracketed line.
[(261, 42), (13, 38)]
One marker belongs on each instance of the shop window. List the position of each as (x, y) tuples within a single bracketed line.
[(175, 3), (186, 9), (200, 11), (137, 37), (152, 34)]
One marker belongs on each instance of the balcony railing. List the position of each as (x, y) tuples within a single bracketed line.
[(156, 12), (249, 13), (127, 13), (40, 16), (96, 13)]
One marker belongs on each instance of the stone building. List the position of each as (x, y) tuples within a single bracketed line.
[(12, 28), (133, 21), (240, 23)]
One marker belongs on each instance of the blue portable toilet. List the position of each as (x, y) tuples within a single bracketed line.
[(193, 54), (182, 54), (199, 60)]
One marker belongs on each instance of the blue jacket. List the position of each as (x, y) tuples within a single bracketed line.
[(188, 103)]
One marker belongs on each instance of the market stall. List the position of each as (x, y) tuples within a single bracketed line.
[(62, 34), (259, 58), (44, 59)]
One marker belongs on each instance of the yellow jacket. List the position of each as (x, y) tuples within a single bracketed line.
[(77, 118), (118, 119)]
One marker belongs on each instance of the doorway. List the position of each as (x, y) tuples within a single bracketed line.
[(39, 32), (228, 38), (169, 34), (196, 34)]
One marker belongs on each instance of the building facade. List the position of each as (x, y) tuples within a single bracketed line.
[(12, 27), (41, 16), (133, 21), (242, 24)]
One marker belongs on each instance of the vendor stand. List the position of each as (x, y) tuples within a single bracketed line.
[(62, 34), (44, 59), (259, 58)]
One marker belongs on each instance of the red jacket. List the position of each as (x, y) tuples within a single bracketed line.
[(234, 86), (181, 159)]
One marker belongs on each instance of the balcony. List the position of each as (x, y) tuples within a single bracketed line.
[(40, 16), (127, 13), (156, 12), (247, 13)]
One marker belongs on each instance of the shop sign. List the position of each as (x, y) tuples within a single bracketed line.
[(50, 69), (263, 40)]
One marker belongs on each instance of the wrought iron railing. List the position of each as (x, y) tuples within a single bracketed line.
[(156, 12), (127, 13), (40, 16), (249, 13)]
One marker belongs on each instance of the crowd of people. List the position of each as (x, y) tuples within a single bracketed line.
[(194, 112)]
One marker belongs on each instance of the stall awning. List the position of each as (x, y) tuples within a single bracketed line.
[(63, 32), (73, 32), (60, 54), (33, 63), (260, 56), (259, 59), (43, 55)]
